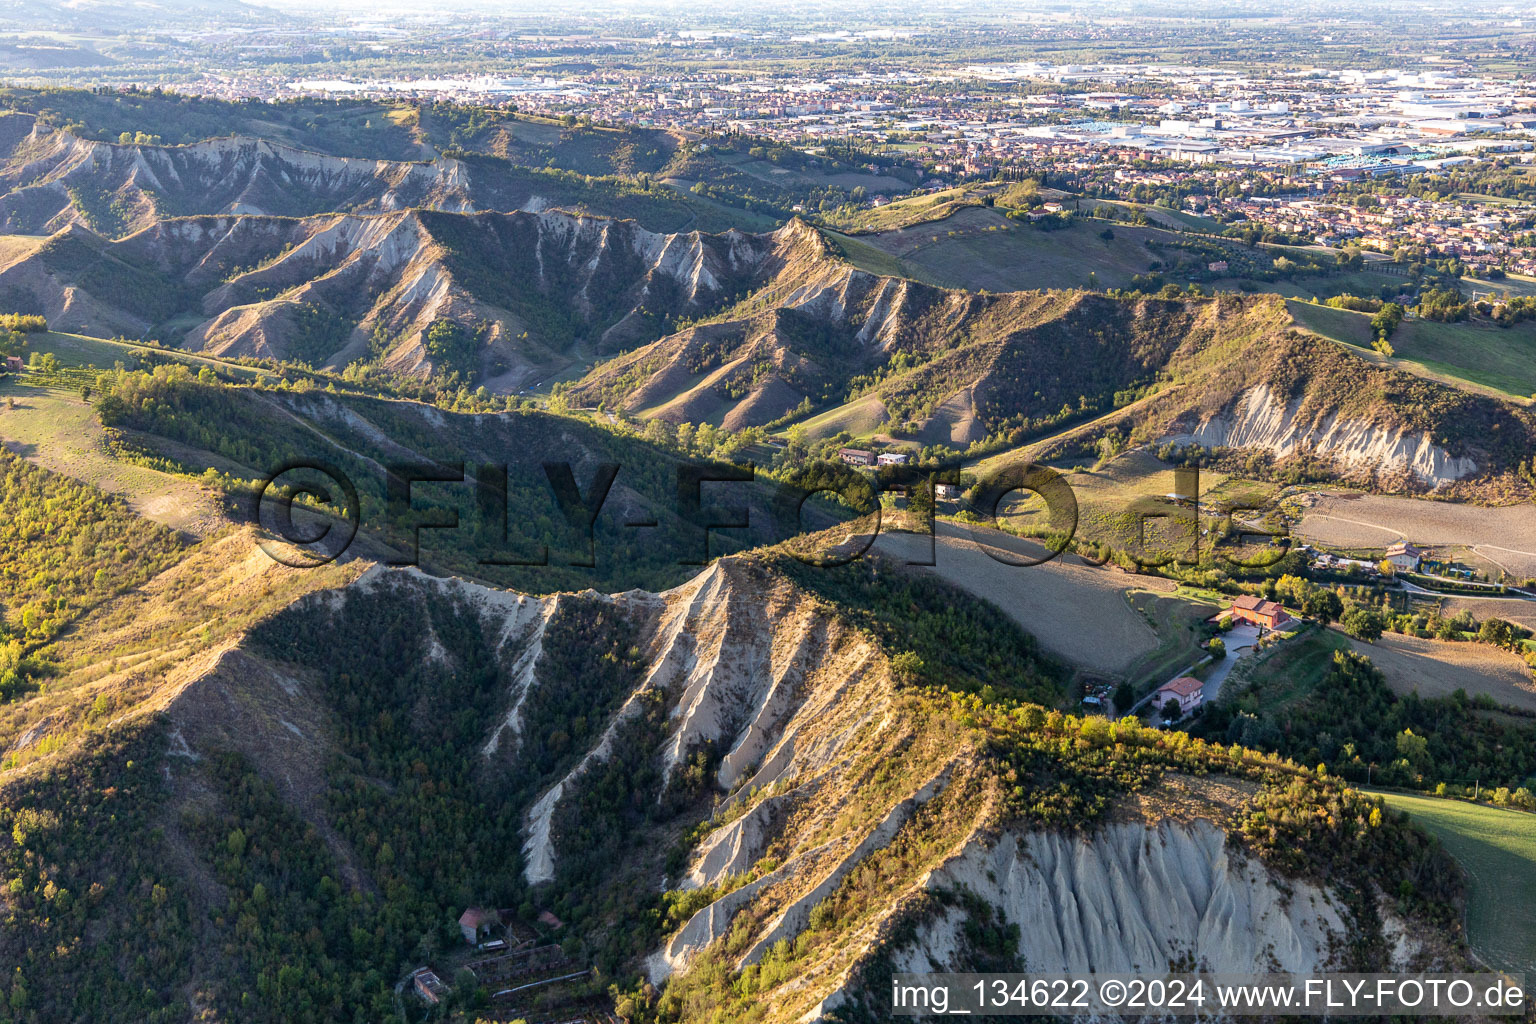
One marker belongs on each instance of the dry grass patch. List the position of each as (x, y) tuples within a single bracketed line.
[(1437, 668), (141, 649), (1186, 798), (1077, 612), (61, 434), (18, 247)]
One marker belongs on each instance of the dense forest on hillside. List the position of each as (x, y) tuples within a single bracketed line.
[(1360, 728), (144, 291), (439, 831), (281, 930), (99, 922), (435, 830)]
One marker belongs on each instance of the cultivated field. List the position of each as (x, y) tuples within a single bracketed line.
[(1344, 325), (929, 207), (767, 170), (1522, 613), (1311, 288), (1499, 357), (1178, 220), (977, 247), (709, 215), (1504, 536), (1077, 612), (862, 418), (1485, 355), (1437, 668), (875, 260), (1514, 284), (1497, 849)]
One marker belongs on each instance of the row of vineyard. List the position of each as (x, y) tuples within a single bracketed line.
[(72, 379)]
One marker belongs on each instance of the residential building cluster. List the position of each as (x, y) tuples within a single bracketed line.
[(1273, 146)]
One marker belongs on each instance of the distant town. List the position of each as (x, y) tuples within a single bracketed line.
[(1292, 150)]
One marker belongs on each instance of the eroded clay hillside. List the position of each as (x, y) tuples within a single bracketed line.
[(1263, 388), (940, 365), (841, 349), (51, 178), (727, 786), (517, 293), (776, 328)]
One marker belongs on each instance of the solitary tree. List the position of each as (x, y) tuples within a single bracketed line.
[(1413, 748), (1323, 605), (920, 504), (1125, 696), (1497, 632), (1363, 624)]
